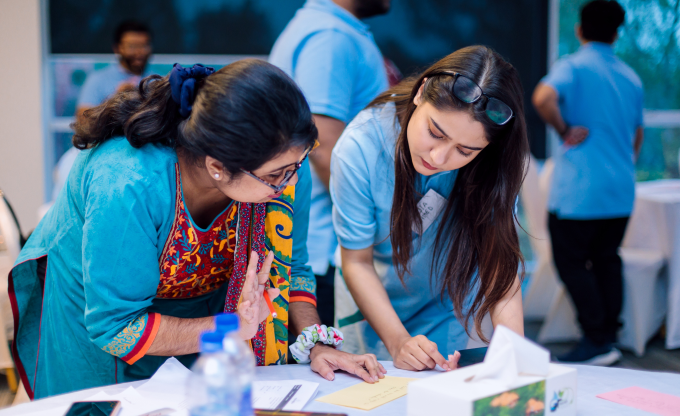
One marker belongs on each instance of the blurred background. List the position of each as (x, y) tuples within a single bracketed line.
[(49, 47)]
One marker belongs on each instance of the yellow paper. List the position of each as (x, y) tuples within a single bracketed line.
[(367, 396)]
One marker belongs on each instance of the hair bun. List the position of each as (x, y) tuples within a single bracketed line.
[(183, 85)]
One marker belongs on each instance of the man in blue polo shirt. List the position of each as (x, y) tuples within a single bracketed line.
[(332, 56), (132, 45), (594, 101)]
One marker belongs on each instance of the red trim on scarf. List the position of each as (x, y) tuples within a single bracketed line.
[(148, 336), (257, 240), (241, 257), (15, 314), (251, 237)]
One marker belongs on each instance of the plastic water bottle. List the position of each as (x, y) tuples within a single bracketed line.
[(213, 387), (237, 352)]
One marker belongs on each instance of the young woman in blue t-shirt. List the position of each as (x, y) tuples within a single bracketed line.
[(424, 183)]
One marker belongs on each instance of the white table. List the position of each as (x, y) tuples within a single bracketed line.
[(655, 225), (591, 382), (39, 406)]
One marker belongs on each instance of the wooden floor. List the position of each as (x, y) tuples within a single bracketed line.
[(656, 358)]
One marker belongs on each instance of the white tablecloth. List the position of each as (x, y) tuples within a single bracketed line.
[(591, 382), (655, 224)]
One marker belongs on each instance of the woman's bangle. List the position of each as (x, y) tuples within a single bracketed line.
[(304, 343)]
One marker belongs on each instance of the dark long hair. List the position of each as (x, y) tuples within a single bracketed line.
[(477, 236), (243, 115)]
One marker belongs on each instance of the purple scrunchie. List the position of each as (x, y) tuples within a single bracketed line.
[(183, 83)]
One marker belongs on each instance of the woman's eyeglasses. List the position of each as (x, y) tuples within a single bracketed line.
[(286, 177), (469, 92)]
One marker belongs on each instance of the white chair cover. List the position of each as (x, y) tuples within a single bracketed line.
[(644, 287), (544, 283), (655, 225), (644, 304), (560, 325), (9, 251)]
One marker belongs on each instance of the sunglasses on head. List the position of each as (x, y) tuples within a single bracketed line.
[(287, 176), (469, 92)]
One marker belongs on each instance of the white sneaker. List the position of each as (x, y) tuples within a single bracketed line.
[(588, 353), (605, 360)]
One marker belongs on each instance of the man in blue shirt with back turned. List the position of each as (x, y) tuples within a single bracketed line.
[(594, 101), (332, 56)]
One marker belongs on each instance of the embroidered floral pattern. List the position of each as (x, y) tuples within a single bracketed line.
[(193, 262), (280, 239), (126, 339), (303, 285), (196, 262), (250, 230), (261, 228)]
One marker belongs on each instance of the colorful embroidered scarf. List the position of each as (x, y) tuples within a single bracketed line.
[(261, 228)]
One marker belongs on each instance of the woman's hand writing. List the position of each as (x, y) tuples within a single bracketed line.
[(419, 353)]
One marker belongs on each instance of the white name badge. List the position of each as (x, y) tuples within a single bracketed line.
[(429, 207)]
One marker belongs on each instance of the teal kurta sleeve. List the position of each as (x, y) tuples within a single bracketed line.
[(120, 261), (302, 280), (84, 288)]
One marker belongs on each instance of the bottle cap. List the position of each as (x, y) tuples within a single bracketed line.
[(211, 341), (226, 323)]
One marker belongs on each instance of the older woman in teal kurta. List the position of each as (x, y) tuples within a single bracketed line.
[(112, 244), (157, 227)]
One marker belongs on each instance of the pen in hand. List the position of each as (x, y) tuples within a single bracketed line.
[(269, 304)]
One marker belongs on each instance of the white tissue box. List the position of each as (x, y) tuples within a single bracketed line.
[(454, 393)]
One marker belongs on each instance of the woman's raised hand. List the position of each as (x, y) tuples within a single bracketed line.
[(253, 308), (419, 353)]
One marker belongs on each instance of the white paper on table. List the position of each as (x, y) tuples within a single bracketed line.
[(55, 411), (132, 403), (510, 355), (168, 384), (289, 395)]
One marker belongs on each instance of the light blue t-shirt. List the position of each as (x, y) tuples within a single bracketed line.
[(596, 179), (362, 187), (333, 58), (101, 84)]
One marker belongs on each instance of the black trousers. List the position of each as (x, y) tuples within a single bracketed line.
[(587, 260), (325, 296)]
